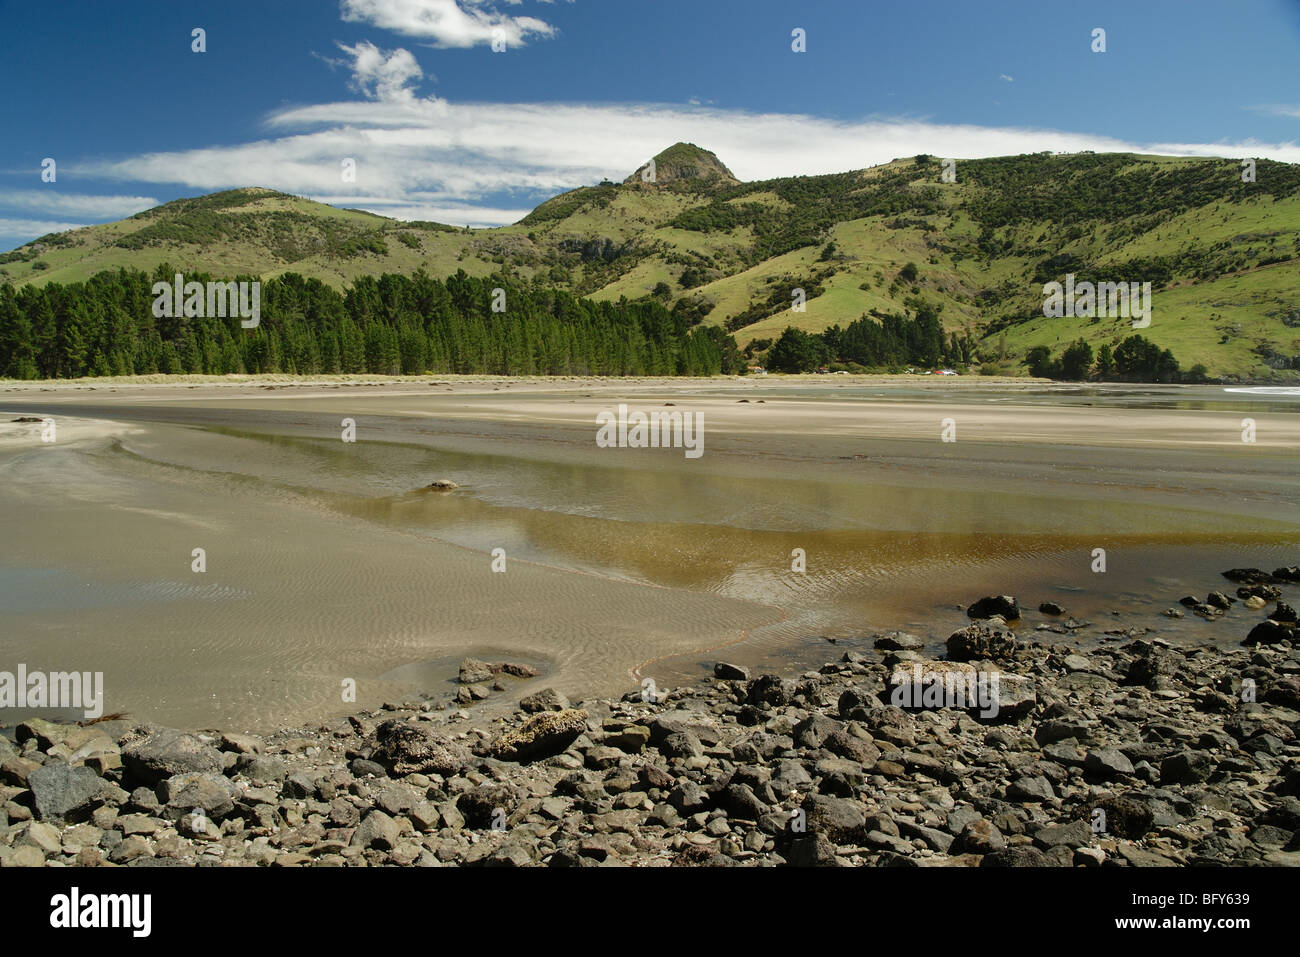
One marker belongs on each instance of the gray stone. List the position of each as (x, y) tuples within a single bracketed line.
[(167, 752), (548, 699), (213, 794), (1187, 767), (1030, 789), (62, 792), (1072, 835), (1107, 764), (727, 672), (1004, 606), (378, 830)]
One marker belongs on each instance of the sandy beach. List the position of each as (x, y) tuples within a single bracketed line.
[(326, 561)]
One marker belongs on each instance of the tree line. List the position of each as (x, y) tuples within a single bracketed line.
[(891, 343), (389, 324), (1136, 359)]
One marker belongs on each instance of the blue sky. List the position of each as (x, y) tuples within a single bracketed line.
[(443, 127)]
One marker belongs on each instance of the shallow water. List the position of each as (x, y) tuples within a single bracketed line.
[(327, 560)]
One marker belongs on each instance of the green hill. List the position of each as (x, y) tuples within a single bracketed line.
[(1222, 256)]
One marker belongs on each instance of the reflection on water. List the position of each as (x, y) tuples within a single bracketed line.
[(876, 554), (333, 552)]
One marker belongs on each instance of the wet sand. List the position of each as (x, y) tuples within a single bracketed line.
[(324, 562)]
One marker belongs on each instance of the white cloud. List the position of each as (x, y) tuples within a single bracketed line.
[(454, 214), (1279, 110), (380, 76), (1009, 79), (437, 159), (448, 23), (24, 229), (1282, 152), (70, 204)]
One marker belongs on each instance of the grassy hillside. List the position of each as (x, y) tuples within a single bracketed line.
[(1223, 256)]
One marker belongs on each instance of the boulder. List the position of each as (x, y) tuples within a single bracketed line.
[(995, 605), (378, 831), (183, 794), (62, 792), (548, 699), (404, 747), (166, 752), (1270, 632), (728, 672), (981, 641), (541, 736)]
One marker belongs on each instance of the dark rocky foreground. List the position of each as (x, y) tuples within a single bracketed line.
[(1134, 755)]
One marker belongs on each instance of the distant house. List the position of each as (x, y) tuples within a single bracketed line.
[(758, 370)]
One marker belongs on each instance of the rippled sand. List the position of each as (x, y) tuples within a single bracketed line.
[(325, 563)]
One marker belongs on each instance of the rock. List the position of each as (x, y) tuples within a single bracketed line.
[(728, 672), (42, 835), (981, 641), (62, 792), (1187, 767), (631, 738), (1089, 857), (1247, 576), (130, 849), (473, 671), (979, 837), (1107, 764), (741, 803), (1284, 613), (15, 770), (840, 820), (1140, 857), (183, 794), (1152, 664), (852, 747), (899, 641), (812, 851), (514, 669), (771, 690), (25, 856), (360, 768), (405, 747), (548, 699), (166, 752), (541, 736), (1071, 835), (378, 830), (1030, 788), (995, 605), (858, 704), (1018, 856), (241, 743), (1217, 599), (601, 757), (263, 770), (813, 730), (1051, 608), (442, 485), (681, 744), (487, 805), (1270, 633)]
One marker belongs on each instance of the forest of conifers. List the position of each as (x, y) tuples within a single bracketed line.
[(387, 324)]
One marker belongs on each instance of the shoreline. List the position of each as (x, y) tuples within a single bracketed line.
[(1132, 753)]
